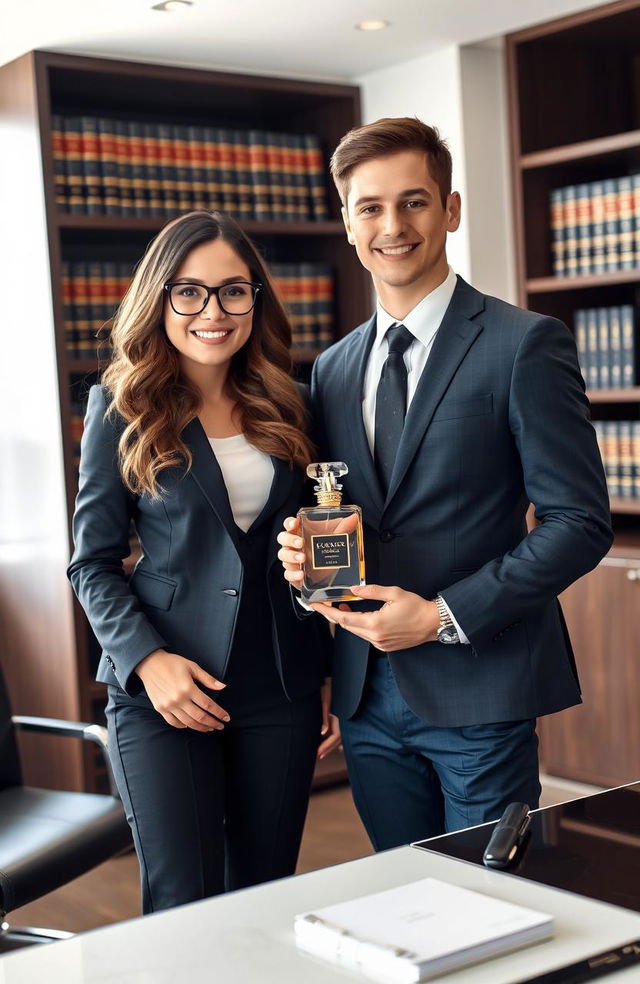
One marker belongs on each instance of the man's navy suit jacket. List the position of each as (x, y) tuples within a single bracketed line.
[(499, 420)]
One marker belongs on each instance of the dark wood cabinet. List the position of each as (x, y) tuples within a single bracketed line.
[(599, 741), (574, 107), (36, 89)]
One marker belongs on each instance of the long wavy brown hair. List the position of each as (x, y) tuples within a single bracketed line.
[(151, 394)]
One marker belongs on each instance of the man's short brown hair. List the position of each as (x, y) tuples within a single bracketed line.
[(391, 136)]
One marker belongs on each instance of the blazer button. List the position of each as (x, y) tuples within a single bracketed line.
[(230, 591), (386, 536)]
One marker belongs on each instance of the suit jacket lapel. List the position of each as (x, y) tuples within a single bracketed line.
[(281, 488), (451, 344), (205, 472), (354, 367)]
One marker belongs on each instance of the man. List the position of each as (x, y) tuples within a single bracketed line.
[(437, 691)]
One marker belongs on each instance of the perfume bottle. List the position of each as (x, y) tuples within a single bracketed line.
[(333, 539)]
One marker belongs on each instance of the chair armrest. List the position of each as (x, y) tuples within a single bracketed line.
[(70, 729)]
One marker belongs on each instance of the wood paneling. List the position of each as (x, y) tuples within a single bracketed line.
[(599, 741)]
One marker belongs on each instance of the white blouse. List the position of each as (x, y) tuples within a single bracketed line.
[(247, 474)]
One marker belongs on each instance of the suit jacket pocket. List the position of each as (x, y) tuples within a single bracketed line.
[(449, 409), (153, 589)]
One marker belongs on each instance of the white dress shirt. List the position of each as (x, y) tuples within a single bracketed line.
[(247, 474), (423, 323)]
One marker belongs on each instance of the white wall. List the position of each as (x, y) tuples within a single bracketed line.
[(489, 211), (430, 88), (461, 91)]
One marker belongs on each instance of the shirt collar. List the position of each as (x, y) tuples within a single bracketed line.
[(425, 318)]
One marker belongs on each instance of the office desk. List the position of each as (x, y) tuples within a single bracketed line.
[(246, 937), (589, 845)]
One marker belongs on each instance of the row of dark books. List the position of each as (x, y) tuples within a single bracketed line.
[(595, 227), (619, 443), (306, 290), (606, 343), (128, 167), (92, 291)]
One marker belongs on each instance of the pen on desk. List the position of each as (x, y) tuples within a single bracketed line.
[(507, 836), (588, 969)]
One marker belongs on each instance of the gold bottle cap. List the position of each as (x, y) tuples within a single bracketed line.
[(327, 490)]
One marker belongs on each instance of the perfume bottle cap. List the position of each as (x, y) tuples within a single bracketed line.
[(327, 490), (320, 469)]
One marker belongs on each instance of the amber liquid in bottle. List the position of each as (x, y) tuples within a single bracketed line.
[(333, 539)]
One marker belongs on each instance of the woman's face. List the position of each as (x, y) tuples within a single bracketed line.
[(210, 338)]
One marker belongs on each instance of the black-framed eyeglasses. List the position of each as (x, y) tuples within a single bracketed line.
[(190, 299)]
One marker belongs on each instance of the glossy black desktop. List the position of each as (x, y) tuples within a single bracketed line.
[(590, 846)]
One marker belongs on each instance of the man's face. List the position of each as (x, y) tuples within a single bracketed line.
[(395, 219)]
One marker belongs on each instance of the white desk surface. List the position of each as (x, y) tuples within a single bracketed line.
[(246, 937)]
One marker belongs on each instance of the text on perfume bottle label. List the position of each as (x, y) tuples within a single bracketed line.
[(330, 552)]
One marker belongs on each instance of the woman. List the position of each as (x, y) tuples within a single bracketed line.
[(196, 437)]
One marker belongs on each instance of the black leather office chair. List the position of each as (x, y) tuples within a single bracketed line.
[(49, 837)]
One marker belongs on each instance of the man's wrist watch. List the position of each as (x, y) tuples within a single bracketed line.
[(446, 631)]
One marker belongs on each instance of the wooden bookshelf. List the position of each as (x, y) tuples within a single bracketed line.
[(631, 395), (53, 84), (574, 108), (151, 224), (547, 285)]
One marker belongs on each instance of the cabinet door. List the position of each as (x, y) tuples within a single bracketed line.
[(599, 741)]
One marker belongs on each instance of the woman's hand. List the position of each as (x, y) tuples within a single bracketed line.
[(171, 683), (330, 724), (292, 553)]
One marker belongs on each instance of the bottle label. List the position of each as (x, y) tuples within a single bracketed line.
[(330, 552)]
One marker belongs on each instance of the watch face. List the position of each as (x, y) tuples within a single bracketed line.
[(448, 634)]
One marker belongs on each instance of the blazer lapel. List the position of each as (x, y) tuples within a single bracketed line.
[(205, 472), (354, 368), (452, 342)]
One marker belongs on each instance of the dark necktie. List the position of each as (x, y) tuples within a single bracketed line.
[(391, 403)]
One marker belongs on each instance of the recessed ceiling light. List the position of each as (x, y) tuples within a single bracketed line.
[(372, 25), (168, 5)]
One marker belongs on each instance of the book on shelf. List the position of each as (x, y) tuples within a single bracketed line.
[(198, 165), (597, 227), (109, 167), (606, 343), (570, 204), (629, 346), (556, 222), (583, 229), (417, 931), (315, 171), (168, 188), (615, 348), (59, 162), (74, 165), (611, 226), (138, 168), (635, 208), (152, 169), (604, 376), (635, 456), (625, 459), (125, 176), (243, 177), (228, 184)]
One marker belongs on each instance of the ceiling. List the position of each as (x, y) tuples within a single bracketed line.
[(288, 37)]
